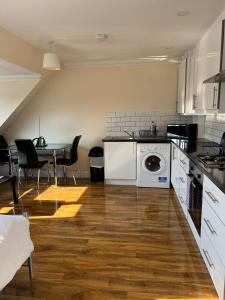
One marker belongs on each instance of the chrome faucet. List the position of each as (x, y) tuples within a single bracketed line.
[(131, 134)]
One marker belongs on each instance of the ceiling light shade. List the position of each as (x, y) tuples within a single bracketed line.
[(51, 62)]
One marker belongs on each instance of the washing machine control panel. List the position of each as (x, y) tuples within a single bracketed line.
[(154, 147)]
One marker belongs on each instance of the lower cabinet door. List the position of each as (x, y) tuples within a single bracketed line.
[(120, 160), (183, 191), (175, 179), (213, 263)]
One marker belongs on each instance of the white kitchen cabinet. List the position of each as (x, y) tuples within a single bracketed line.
[(215, 229), (181, 93), (120, 160), (198, 64), (208, 64), (211, 97), (183, 190), (213, 264), (175, 157), (179, 177), (213, 234), (188, 100), (215, 198), (191, 90)]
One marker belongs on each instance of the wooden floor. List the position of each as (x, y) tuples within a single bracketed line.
[(96, 242)]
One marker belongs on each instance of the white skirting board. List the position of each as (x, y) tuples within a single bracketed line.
[(121, 182)]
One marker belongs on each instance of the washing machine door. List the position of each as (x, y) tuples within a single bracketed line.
[(153, 163)]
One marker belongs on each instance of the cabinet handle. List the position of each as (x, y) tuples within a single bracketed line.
[(181, 199), (183, 162), (214, 200), (173, 155), (208, 258), (209, 225), (215, 105), (182, 180), (213, 97), (194, 102)]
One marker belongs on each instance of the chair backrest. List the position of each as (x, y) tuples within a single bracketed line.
[(3, 153), (27, 154), (73, 150)]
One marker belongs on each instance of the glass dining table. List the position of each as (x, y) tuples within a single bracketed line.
[(51, 149)]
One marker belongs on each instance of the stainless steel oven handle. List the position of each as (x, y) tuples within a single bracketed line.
[(214, 200), (194, 185), (208, 258), (181, 199), (209, 225)]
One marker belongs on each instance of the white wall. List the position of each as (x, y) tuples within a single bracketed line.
[(12, 93), (75, 101)]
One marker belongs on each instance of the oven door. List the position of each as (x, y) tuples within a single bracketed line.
[(194, 204)]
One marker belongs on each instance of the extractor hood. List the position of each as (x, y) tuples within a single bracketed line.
[(220, 77)]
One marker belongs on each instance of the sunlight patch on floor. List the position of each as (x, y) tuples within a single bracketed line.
[(184, 298), (25, 193), (64, 211), (5, 210), (66, 194)]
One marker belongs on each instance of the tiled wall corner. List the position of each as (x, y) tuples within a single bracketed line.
[(117, 122), (215, 127)]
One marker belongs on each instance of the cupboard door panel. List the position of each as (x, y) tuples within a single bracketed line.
[(120, 160)]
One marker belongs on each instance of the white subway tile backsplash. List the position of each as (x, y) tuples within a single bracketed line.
[(116, 129), (120, 114), (121, 124), (214, 127), (140, 114), (115, 119), (110, 114), (130, 123), (140, 124), (134, 119), (125, 119), (111, 124), (117, 122)]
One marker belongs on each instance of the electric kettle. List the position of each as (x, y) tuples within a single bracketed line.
[(39, 142)]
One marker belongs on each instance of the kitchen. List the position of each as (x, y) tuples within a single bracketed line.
[(141, 156), (151, 93)]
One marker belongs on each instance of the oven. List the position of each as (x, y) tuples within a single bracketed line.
[(194, 199)]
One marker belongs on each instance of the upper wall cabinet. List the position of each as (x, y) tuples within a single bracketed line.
[(202, 62), (194, 102), (208, 60), (188, 101), (181, 93)]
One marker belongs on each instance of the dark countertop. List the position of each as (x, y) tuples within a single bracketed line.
[(191, 148), (203, 146), (155, 137)]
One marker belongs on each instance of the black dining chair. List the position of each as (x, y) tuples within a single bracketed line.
[(5, 157), (28, 158), (73, 158)]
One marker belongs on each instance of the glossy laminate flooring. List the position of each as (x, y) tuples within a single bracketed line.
[(95, 242)]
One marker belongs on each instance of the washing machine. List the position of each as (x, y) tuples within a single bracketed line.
[(153, 165)]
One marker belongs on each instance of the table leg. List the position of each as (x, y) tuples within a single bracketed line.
[(64, 168), (55, 171), (15, 196), (10, 163)]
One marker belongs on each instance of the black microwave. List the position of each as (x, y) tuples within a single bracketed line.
[(187, 131)]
